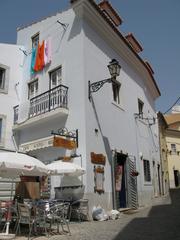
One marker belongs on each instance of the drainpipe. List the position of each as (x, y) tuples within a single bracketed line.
[(113, 180)]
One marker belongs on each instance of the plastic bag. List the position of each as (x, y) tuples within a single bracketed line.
[(114, 214), (99, 214)]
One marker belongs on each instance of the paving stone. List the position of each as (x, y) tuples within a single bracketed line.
[(160, 221)]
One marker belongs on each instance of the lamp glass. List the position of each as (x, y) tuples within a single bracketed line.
[(114, 68)]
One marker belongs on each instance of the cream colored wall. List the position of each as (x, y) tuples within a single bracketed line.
[(173, 159), (163, 152)]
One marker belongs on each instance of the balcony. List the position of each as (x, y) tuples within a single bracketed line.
[(46, 102)]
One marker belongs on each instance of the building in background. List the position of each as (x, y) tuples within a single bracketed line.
[(62, 112), (163, 154), (11, 60), (173, 145)]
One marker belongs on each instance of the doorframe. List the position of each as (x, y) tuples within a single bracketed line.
[(113, 169)]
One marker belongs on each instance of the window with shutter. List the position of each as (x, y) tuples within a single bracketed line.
[(147, 172)]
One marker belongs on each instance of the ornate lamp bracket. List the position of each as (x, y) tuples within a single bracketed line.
[(114, 70), (95, 86)]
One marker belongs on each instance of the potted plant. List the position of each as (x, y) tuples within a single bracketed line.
[(134, 173)]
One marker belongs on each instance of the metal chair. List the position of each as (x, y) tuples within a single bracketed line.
[(58, 214), (80, 208), (24, 217), (34, 218)]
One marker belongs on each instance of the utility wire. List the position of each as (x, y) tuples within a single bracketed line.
[(172, 105)]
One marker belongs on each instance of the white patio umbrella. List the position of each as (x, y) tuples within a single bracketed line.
[(65, 168), (13, 165)]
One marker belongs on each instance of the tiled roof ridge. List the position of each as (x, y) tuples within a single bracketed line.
[(112, 9), (172, 118), (130, 34)]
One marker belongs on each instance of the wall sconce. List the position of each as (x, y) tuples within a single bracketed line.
[(151, 121), (141, 155), (96, 131), (114, 69)]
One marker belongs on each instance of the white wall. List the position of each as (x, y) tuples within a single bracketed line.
[(67, 50), (118, 128), (84, 56), (11, 57)]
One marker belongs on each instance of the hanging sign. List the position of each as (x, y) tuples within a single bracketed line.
[(98, 158), (65, 143)]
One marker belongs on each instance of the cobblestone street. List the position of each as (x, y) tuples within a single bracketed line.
[(161, 221)]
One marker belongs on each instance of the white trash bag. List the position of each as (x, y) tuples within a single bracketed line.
[(114, 214), (99, 214)]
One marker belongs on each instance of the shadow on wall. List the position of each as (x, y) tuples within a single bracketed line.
[(104, 138), (76, 28), (162, 222)]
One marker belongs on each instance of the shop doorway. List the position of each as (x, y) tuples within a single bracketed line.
[(120, 180), (125, 181), (176, 178), (159, 179)]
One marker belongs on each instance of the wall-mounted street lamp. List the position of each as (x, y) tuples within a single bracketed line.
[(114, 69)]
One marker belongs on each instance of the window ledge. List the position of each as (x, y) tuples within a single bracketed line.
[(117, 105), (148, 184), (4, 91)]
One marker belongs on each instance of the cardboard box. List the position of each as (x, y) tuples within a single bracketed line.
[(29, 190)]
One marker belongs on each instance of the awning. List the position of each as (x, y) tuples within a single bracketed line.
[(51, 141)]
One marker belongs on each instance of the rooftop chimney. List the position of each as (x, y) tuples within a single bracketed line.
[(110, 12), (134, 43)]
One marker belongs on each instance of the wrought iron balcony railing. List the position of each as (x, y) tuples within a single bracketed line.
[(54, 98)]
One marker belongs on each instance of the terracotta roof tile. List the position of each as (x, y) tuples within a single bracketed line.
[(172, 118), (107, 8), (133, 42)]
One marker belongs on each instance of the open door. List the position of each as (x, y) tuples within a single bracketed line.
[(120, 180), (176, 178), (125, 181)]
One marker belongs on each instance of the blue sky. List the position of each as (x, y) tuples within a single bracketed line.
[(154, 23)]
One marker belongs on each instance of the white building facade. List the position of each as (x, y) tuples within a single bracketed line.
[(117, 128), (10, 74)]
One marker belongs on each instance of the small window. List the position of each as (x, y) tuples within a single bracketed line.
[(33, 89), (2, 78), (173, 148), (2, 129), (140, 107), (55, 77), (147, 173), (35, 41), (116, 91)]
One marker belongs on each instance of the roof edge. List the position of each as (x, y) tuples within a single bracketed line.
[(123, 39)]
